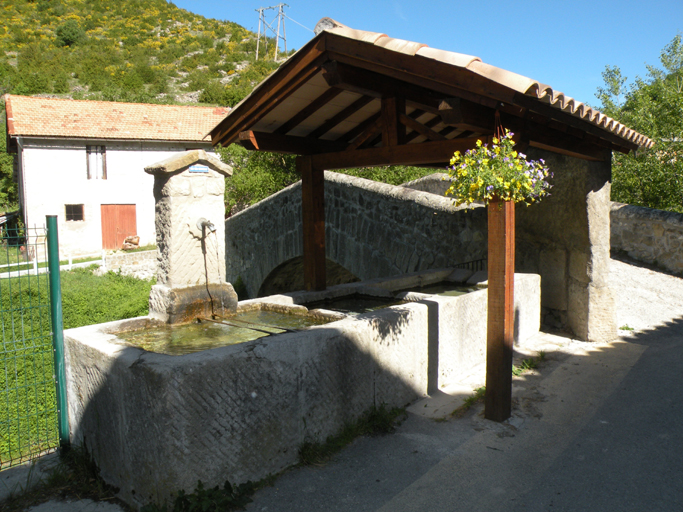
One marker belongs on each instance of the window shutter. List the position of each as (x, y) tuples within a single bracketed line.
[(88, 151)]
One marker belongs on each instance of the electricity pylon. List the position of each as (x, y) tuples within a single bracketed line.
[(280, 17)]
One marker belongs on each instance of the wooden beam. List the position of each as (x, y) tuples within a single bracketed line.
[(467, 115), (288, 78), (420, 128), (429, 124), (426, 72), (535, 105), (309, 110), (433, 152), (501, 314), (360, 128), (341, 116), (450, 112), (262, 141), (553, 140), (375, 85), (313, 218), (393, 133), (369, 133)]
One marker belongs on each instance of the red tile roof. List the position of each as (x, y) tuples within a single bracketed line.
[(48, 117)]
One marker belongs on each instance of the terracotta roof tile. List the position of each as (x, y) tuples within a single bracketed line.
[(47, 117), (518, 83)]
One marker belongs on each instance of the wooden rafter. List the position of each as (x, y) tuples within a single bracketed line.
[(420, 128), (371, 131), (341, 116), (429, 124), (369, 83), (568, 119), (432, 152), (264, 141), (291, 75), (309, 110), (360, 128)]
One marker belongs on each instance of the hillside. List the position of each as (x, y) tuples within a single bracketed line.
[(125, 50)]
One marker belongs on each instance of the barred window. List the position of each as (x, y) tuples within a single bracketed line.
[(74, 212)]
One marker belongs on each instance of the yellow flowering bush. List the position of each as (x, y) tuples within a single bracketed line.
[(497, 172)]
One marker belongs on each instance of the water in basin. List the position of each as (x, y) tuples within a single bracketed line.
[(355, 304), (204, 335), (445, 289)]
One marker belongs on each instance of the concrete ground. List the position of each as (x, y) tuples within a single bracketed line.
[(596, 427)]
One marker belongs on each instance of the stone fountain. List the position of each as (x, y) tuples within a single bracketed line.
[(190, 235)]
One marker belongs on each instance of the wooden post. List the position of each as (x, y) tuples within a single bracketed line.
[(313, 217), (501, 319)]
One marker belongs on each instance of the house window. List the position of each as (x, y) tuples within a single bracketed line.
[(74, 212), (96, 160)]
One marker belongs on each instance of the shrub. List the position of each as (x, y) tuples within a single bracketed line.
[(69, 33)]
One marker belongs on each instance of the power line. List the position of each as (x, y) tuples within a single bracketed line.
[(290, 19)]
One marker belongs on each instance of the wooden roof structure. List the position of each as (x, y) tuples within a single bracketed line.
[(351, 98), (354, 98)]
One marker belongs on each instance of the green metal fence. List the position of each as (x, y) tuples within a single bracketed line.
[(29, 414)]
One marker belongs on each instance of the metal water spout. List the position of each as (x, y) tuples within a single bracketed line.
[(203, 224)]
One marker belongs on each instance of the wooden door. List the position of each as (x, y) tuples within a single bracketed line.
[(118, 222)]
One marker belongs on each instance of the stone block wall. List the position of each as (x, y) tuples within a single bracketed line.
[(565, 239), (648, 235), (372, 229), (119, 260)]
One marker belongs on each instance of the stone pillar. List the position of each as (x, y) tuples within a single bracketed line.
[(566, 239), (189, 188)]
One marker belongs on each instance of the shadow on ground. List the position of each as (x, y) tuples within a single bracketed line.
[(597, 427)]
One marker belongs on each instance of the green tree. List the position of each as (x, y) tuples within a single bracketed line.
[(69, 33), (652, 106), (256, 175), (8, 188)]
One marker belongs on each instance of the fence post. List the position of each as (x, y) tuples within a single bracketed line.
[(57, 329)]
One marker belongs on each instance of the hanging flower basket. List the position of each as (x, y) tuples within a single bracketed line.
[(498, 173)]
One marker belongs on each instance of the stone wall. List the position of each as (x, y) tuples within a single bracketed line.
[(565, 239), (376, 230), (372, 230), (118, 260), (648, 235)]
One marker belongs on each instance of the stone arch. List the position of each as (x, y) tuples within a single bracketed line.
[(289, 277), (372, 230)]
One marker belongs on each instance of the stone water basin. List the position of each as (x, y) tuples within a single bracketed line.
[(445, 289), (156, 423), (355, 304), (203, 334)]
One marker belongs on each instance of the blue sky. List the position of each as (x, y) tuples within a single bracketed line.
[(565, 44)]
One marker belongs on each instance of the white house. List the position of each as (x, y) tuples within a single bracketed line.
[(84, 162)]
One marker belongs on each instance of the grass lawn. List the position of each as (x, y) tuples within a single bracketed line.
[(28, 421)]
